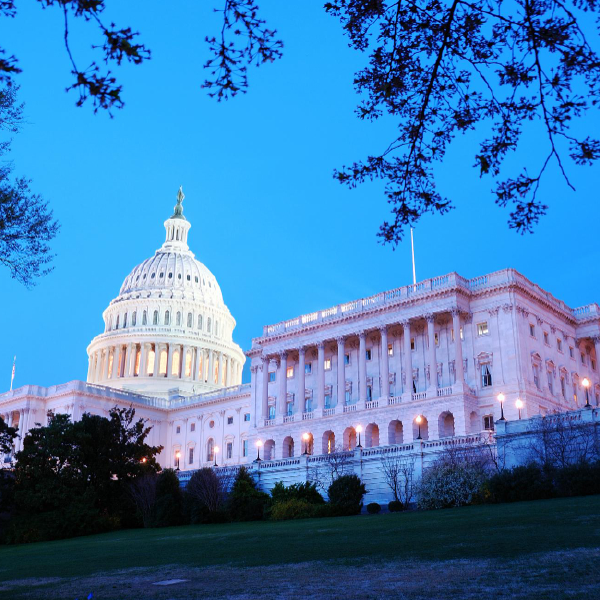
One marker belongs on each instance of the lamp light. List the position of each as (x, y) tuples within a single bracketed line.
[(501, 399)]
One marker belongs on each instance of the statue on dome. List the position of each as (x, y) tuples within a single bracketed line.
[(178, 214)]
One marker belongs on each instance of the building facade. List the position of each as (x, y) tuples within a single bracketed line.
[(407, 371)]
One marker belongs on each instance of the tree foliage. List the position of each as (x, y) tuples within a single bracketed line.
[(7, 437)]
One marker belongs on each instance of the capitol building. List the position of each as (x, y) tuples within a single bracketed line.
[(405, 372)]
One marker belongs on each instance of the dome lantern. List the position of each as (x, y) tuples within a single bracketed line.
[(177, 227)]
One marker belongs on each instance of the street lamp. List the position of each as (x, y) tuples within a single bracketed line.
[(519, 405), (358, 430), (501, 399), (586, 384), (177, 457), (419, 420), (216, 451), (305, 437), (258, 445)]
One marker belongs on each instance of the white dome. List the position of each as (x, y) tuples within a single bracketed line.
[(168, 327)]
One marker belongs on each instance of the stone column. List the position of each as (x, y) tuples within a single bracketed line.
[(116, 372), (408, 389), (320, 376), (143, 359), (432, 359), (301, 389), (184, 374), (156, 360), (458, 355), (265, 388), (385, 364), (341, 372), (362, 367), (126, 360), (282, 382), (105, 366), (211, 367), (132, 358)]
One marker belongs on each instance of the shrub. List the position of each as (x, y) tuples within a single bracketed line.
[(395, 506), (168, 505), (528, 482), (293, 509), (346, 494), (306, 491), (373, 508), (581, 479), (246, 503), (206, 496), (446, 485)]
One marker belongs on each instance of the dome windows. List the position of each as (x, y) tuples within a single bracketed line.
[(155, 318), (179, 276), (144, 276), (152, 276), (189, 277), (125, 321), (170, 275), (161, 275), (117, 323), (167, 318), (133, 318), (190, 320), (145, 318), (208, 325), (196, 278), (199, 321), (178, 319)]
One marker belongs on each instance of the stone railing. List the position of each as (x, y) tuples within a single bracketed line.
[(419, 396), (444, 391), (288, 419), (269, 422), (307, 416), (328, 412)]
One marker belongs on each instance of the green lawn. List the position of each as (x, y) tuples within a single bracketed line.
[(549, 546)]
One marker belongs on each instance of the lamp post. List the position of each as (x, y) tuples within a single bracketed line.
[(305, 437), (501, 399), (258, 445), (519, 405), (358, 430), (419, 420), (216, 451), (177, 457), (586, 384)]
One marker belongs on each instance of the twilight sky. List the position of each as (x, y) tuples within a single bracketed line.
[(281, 236)]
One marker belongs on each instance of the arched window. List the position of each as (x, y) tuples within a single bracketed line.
[(210, 450), (155, 318), (190, 320), (178, 317), (199, 321), (133, 318), (145, 318), (217, 328), (125, 321), (167, 318), (117, 324), (207, 325)]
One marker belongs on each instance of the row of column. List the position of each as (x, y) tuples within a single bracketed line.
[(132, 361), (362, 366)]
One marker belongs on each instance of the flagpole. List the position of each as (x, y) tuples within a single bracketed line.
[(12, 377), (412, 246)]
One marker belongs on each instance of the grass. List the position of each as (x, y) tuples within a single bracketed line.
[(547, 549)]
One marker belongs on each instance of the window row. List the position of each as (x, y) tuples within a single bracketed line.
[(167, 320)]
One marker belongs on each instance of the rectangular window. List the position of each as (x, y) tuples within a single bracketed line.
[(346, 359), (368, 354), (271, 411), (308, 368), (563, 388), (546, 339), (193, 427), (178, 430), (531, 330), (390, 349), (290, 409), (413, 344), (327, 400), (571, 352), (348, 397), (272, 376), (246, 417), (486, 376), (245, 448), (437, 338), (369, 393), (582, 358), (536, 376), (229, 449), (488, 422), (307, 405), (482, 329), (550, 386), (327, 364), (191, 456), (229, 420), (559, 344), (290, 372)]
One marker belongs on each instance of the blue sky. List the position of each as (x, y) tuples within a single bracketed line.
[(281, 236)]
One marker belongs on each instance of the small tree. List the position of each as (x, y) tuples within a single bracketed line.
[(207, 490), (167, 509), (335, 464), (346, 494), (246, 502), (7, 437), (399, 475), (143, 492)]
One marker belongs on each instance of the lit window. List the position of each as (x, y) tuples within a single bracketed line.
[(245, 448), (272, 376), (482, 329), (327, 364), (188, 364), (210, 450), (486, 376), (546, 339), (290, 372), (488, 422), (462, 334), (229, 449), (368, 354), (390, 350), (229, 420), (413, 344), (246, 417), (559, 344), (308, 368), (346, 359), (437, 339), (150, 362), (191, 457), (193, 427), (531, 329), (163, 363)]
